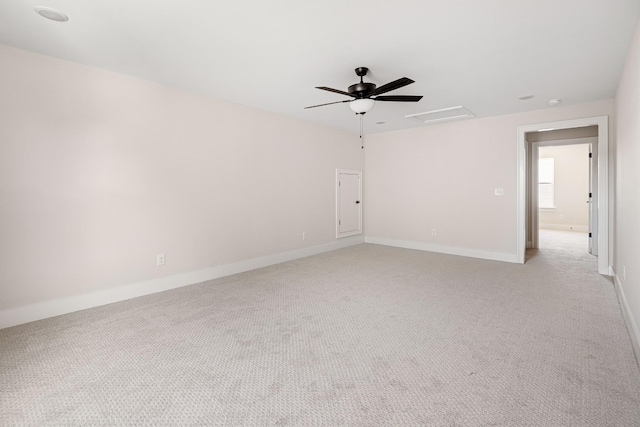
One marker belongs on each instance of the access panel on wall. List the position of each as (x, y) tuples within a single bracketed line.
[(348, 202)]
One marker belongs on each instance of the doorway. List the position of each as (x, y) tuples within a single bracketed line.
[(527, 220), (565, 200), (561, 180)]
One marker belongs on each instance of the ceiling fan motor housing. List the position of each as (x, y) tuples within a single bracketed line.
[(361, 89)]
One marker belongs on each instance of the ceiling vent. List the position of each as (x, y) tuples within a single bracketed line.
[(442, 115)]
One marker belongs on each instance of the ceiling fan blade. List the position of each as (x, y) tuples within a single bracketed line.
[(341, 92), (399, 98), (396, 84), (328, 103)]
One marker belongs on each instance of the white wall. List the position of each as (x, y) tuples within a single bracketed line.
[(627, 200), (443, 177), (100, 172), (571, 188)]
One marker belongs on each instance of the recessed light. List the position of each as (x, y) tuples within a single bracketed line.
[(526, 97), (555, 101), (54, 15)]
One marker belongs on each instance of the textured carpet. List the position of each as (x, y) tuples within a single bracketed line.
[(363, 336)]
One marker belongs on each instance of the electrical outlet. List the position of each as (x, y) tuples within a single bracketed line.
[(160, 259), (498, 191), (304, 235), (434, 232)]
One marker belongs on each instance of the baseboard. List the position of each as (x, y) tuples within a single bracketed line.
[(566, 227), (632, 325), (46, 309), (430, 247)]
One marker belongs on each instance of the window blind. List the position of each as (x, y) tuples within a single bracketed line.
[(546, 183)]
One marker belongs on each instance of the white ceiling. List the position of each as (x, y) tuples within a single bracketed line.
[(270, 54)]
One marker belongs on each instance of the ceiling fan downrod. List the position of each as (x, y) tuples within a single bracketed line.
[(362, 89)]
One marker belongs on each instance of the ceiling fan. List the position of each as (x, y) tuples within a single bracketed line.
[(365, 94)]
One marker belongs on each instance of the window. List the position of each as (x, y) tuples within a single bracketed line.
[(545, 183)]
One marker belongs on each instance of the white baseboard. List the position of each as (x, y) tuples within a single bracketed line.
[(46, 309), (430, 247), (566, 227), (632, 325)]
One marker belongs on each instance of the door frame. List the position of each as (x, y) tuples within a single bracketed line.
[(604, 266), (348, 172)]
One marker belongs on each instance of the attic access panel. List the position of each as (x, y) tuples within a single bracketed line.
[(444, 114)]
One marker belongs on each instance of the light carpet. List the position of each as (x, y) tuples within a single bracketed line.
[(363, 336)]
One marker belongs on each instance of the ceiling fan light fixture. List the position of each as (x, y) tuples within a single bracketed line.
[(361, 105)]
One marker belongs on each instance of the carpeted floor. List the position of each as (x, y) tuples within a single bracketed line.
[(363, 336)]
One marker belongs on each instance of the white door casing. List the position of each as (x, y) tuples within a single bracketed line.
[(602, 168)]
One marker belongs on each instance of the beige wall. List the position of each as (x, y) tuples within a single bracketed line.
[(627, 195), (571, 188), (100, 172), (443, 177)]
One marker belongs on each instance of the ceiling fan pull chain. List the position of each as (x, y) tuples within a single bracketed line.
[(361, 130)]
